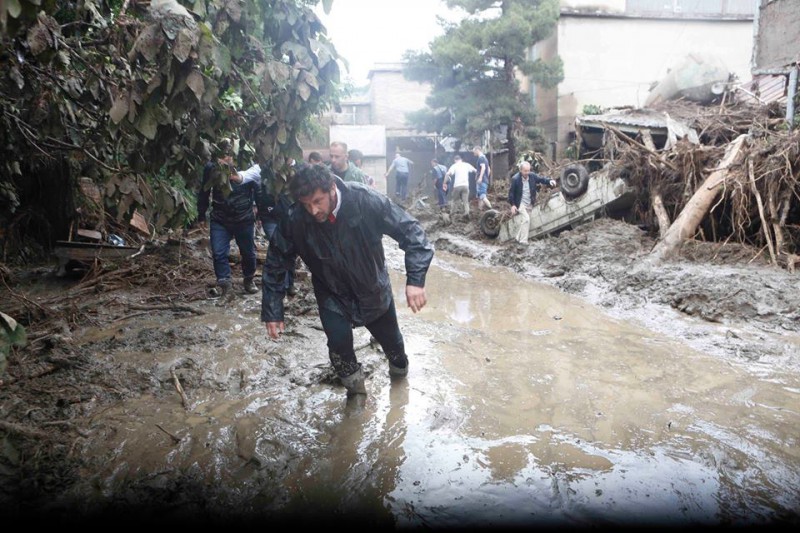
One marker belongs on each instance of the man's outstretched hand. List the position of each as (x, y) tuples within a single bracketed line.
[(415, 296)]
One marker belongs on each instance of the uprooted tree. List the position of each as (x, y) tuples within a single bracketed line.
[(127, 99)]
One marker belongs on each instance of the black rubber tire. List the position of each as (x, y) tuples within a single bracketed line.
[(574, 180), (490, 223)]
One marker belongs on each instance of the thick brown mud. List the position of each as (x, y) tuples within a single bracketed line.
[(564, 383)]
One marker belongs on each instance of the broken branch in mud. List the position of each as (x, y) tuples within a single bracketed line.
[(19, 429), (175, 440), (171, 307), (179, 388)]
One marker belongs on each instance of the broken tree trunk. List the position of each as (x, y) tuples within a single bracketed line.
[(661, 215), (764, 224), (686, 223)]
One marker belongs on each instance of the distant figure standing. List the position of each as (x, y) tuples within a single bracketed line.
[(402, 167), (315, 158), (342, 166), (459, 172), (482, 178), (439, 171), (522, 197)]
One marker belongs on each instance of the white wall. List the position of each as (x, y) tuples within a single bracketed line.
[(613, 61), (605, 5), (371, 140)]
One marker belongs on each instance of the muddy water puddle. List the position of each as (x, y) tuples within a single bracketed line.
[(523, 405)]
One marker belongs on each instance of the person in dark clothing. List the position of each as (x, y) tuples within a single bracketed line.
[(337, 230), (232, 217), (274, 206)]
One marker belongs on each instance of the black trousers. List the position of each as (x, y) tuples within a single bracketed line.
[(339, 331)]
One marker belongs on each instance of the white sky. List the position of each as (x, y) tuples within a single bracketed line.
[(366, 32)]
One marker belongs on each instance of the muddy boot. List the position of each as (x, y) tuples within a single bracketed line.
[(354, 383), (397, 371), (250, 286), (223, 290)]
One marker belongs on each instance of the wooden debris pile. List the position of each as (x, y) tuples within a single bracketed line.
[(754, 197)]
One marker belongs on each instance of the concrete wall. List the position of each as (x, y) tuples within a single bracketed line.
[(371, 140), (605, 5), (392, 96), (612, 61), (778, 40)]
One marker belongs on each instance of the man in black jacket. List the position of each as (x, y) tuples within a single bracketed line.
[(338, 233), (232, 217), (522, 197)]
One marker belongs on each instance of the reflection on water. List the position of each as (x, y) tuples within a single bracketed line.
[(523, 405)]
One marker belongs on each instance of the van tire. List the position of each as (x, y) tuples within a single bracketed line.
[(490, 223), (574, 180)]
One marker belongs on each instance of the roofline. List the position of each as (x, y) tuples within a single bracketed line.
[(597, 13)]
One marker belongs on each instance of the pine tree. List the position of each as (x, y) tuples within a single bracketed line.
[(474, 67)]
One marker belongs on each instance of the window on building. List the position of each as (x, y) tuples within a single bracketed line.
[(691, 7)]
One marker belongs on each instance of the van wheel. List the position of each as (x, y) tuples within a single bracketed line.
[(490, 223), (574, 180)]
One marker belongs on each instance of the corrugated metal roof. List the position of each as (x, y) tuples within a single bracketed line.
[(764, 89), (636, 119)]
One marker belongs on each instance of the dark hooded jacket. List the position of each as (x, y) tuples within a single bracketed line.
[(346, 258), (515, 190), (233, 210)]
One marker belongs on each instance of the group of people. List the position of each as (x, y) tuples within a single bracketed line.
[(464, 180), (334, 221)]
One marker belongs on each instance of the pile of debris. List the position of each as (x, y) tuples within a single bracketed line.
[(723, 173)]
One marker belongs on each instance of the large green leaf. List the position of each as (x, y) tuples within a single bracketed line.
[(11, 333)]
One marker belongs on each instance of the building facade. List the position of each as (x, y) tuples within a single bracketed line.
[(614, 51)]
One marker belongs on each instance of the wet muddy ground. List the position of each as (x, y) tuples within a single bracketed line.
[(565, 383)]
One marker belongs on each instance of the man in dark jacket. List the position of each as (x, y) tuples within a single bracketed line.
[(337, 230), (232, 217), (522, 197), (273, 206)]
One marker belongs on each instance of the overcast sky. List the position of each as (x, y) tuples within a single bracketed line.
[(366, 32)]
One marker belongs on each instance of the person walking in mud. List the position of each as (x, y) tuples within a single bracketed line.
[(232, 217), (438, 172), (522, 197), (338, 234), (402, 167), (482, 178), (273, 206), (458, 173)]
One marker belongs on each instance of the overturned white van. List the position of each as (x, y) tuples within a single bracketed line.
[(581, 197)]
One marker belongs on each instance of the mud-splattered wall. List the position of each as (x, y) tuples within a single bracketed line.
[(778, 37)]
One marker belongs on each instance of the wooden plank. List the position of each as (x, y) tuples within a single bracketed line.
[(89, 234), (138, 223)]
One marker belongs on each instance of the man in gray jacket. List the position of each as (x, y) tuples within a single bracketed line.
[(338, 234)]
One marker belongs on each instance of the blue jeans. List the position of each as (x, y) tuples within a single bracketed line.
[(441, 196), (221, 236), (401, 185), (339, 331)]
